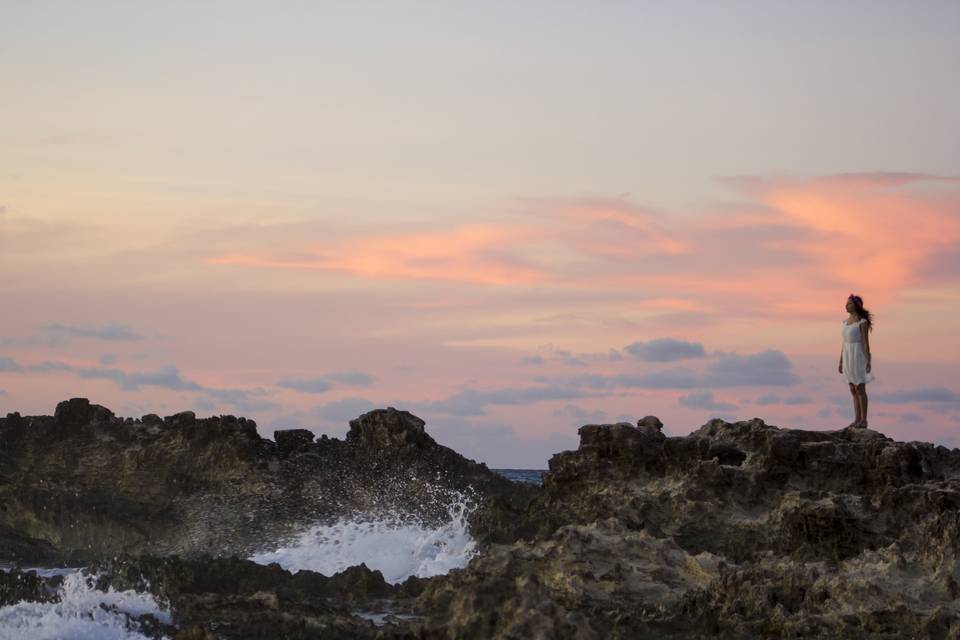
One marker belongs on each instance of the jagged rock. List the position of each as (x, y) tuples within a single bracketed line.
[(412, 453), (652, 422), (84, 483), (186, 417), (738, 530), (231, 597), (556, 587), (17, 585), (293, 439), (77, 411), (772, 533), (171, 577), (14, 545), (726, 453), (387, 428)]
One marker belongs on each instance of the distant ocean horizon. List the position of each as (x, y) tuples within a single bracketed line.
[(530, 476)]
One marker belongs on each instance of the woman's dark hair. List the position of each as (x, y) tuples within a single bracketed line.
[(861, 311)]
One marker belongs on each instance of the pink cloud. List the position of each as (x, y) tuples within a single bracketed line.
[(476, 253), (776, 255), (869, 232), (553, 241)]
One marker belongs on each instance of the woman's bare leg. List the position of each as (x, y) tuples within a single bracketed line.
[(856, 404), (862, 397)]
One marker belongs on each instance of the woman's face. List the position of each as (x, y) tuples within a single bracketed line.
[(850, 305)]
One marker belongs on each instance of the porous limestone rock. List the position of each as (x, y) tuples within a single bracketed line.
[(737, 530)]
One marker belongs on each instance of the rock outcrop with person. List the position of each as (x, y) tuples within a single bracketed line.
[(737, 530)]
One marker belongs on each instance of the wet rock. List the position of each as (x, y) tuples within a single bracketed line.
[(397, 458), (17, 547), (83, 483), (239, 599), (737, 530), (176, 579), (17, 585), (230, 598)]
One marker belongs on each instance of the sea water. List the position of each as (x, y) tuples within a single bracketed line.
[(397, 545), (80, 614), (526, 476)]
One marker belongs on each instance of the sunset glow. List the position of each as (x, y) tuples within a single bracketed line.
[(477, 223)]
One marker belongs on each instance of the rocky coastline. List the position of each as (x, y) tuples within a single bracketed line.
[(737, 530)]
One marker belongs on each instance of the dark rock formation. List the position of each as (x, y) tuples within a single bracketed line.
[(84, 483), (291, 440), (244, 599), (17, 585), (738, 530), (233, 598), (398, 456)]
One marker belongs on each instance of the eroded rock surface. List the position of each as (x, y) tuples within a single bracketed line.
[(738, 530), (84, 483)]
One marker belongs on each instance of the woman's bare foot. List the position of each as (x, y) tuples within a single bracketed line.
[(863, 424), (855, 423)]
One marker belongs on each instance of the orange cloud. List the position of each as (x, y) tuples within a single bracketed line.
[(790, 251), (577, 232), (472, 253), (606, 227), (872, 231), (794, 251)]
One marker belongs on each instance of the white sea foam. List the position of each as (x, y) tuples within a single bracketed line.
[(79, 614), (398, 547)]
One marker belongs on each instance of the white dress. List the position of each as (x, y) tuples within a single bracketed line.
[(854, 356)]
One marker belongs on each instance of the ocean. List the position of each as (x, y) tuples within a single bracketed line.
[(529, 476)]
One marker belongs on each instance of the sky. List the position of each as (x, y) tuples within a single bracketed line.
[(510, 219)]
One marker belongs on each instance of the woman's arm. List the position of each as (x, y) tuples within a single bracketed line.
[(866, 343)]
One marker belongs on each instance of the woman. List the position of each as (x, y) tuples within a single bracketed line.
[(855, 356)]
